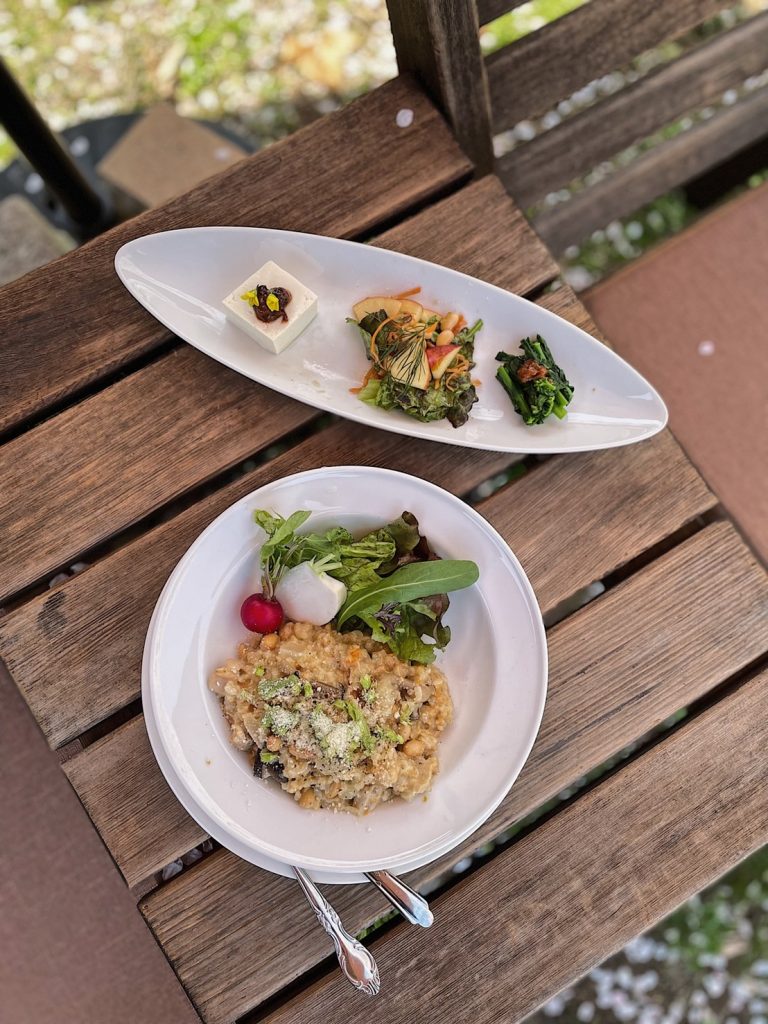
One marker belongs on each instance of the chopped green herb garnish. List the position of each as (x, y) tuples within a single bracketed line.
[(259, 670), (405, 713), (307, 689), (365, 682), (280, 720), (391, 736), (267, 758), (269, 688)]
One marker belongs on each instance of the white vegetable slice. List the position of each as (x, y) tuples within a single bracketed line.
[(308, 596)]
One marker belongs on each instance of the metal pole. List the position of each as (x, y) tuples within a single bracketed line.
[(20, 118)]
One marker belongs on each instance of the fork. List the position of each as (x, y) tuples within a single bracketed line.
[(355, 960)]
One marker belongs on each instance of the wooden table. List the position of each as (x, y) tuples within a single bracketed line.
[(121, 444)]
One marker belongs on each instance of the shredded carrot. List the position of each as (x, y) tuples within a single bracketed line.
[(374, 349), (404, 295), (371, 374)]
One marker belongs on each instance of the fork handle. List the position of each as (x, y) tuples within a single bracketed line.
[(355, 960)]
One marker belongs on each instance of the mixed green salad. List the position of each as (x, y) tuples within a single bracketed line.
[(388, 583), (421, 359)]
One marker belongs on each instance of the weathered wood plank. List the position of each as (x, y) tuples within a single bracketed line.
[(530, 75), (118, 781), (489, 10), (55, 471), (655, 172), (482, 233), (566, 304), (96, 468), (554, 158), (99, 617), (71, 322), (92, 628), (666, 825), (439, 42), (658, 641)]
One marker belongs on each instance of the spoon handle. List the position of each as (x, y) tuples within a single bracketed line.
[(355, 961), (411, 905)]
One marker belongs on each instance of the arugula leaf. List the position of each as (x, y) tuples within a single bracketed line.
[(419, 579), (276, 550)]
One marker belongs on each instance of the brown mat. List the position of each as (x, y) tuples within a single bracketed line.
[(692, 316), (73, 946)]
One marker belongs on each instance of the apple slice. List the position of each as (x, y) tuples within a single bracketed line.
[(411, 366), (374, 303), (414, 308), (440, 357)]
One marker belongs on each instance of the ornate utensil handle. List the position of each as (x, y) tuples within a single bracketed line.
[(411, 905), (355, 960)]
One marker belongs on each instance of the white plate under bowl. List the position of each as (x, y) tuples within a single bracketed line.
[(496, 667), (182, 276), (212, 827), (196, 812)]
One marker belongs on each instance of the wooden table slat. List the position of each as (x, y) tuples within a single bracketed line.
[(480, 231), (72, 322), (577, 888), (105, 611), (620, 667)]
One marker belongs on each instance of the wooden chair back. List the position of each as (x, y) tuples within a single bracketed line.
[(614, 137)]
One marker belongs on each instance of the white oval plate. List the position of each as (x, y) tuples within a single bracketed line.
[(182, 276), (496, 666)]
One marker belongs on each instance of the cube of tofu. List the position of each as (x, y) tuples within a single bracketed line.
[(276, 335)]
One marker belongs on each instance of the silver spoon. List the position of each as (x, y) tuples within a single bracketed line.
[(411, 905), (355, 960)]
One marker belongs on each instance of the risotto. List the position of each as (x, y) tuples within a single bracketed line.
[(338, 719)]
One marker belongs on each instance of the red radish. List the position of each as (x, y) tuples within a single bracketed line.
[(261, 614)]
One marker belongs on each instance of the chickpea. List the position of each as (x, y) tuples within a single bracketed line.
[(303, 630), (217, 685), (273, 743), (308, 799), (413, 748), (286, 631), (269, 642)]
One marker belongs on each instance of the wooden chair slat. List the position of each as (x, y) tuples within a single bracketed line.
[(670, 164), (618, 669), (582, 884), (532, 74), (190, 414), (70, 323), (586, 551), (555, 158), (489, 10), (439, 43)]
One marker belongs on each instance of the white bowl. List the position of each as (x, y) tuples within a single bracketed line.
[(496, 666)]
